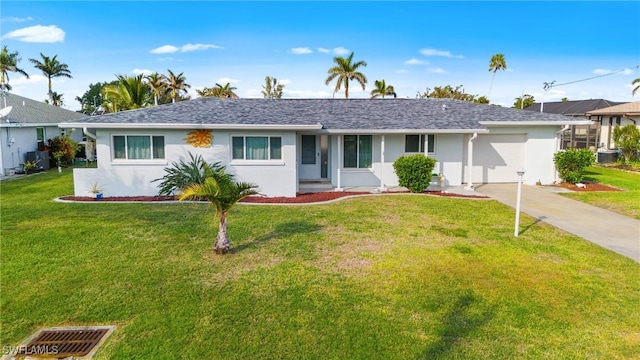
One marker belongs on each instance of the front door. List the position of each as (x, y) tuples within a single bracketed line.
[(309, 157)]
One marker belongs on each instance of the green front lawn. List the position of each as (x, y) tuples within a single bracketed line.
[(387, 277), (625, 202)]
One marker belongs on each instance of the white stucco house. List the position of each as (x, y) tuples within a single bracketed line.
[(281, 144), (27, 124), (610, 117)]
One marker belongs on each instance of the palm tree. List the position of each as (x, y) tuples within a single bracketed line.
[(158, 85), (635, 82), (219, 91), (496, 63), (9, 63), (51, 68), (130, 92), (175, 85), (381, 89), (346, 70), (57, 100), (272, 89), (220, 189)]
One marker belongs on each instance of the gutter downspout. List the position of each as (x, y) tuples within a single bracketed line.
[(339, 188), (86, 132), (558, 145), (470, 161), (382, 188)]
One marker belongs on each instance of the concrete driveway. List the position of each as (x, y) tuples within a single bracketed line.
[(612, 231)]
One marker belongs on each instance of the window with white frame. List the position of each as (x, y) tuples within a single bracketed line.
[(415, 143), (138, 147), (256, 148), (358, 151), (40, 134)]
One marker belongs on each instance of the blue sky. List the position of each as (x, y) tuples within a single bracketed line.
[(411, 45)]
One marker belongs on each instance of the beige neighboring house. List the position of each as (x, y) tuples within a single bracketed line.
[(610, 117)]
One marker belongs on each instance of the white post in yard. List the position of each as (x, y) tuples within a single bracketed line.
[(339, 188), (518, 197), (382, 188), (470, 162)]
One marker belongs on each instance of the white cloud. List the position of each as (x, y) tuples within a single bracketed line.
[(307, 94), (341, 51), (415, 61), (436, 52), (602, 71), (17, 19), (284, 82), (37, 34), (402, 71), (225, 80), (437, 71), (627, 72), (165, 49), (142, 71), (324, 50), (170, 49), (301, 51), (33, 79)]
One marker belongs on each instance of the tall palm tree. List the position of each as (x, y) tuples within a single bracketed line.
[(9, 63), (176, 84), (635, 82), (346, 70), (220, 189), (158, 85), (381, 89), (272, 89), (496, 63), (130, 92), (51, 68)]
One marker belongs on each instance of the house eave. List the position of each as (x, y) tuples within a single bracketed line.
[(536, 123), (21, 125), (191, 126), (404, 131)]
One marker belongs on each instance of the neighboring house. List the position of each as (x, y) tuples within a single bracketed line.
[(610, 117), (279, 144), (579, 136), (27, 128)]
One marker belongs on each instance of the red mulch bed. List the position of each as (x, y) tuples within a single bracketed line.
[(588, 186), (299, 199)]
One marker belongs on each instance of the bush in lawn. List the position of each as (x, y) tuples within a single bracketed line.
[(181, 175), (571, 164), (414, 171), (64, 148), (627, 139)]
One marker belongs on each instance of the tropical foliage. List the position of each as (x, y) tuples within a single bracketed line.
[(223, 192), (524, 101), (449, 92), (57, 99), (130, 92), (272, 89), (158, 86), (92, 99), (346, 70), (219, 91), (9, 63), (176, 86), (571, 164), (65, 149), (51, 68), (414, 171), (182, 174), (496, 63), (636, 86), (627, 139), (381, 89)]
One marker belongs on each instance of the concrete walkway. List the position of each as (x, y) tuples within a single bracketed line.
[(612, 231)]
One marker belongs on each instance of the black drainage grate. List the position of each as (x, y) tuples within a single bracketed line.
[(62, 343)]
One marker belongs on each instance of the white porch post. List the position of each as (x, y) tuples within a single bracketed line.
[(382, 188), (470, 162), (426, 145), (339, 188)]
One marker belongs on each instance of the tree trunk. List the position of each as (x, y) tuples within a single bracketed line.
[(222, 240), (346, 89)]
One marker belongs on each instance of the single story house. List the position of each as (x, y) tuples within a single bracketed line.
[(582, 136), (610, 117), (28, 126), (279, 144)]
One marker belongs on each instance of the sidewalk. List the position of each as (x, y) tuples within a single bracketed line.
[(612, 231)]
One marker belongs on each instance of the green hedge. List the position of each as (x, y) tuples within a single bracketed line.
[(414, 171)]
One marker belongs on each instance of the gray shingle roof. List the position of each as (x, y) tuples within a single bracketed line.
[(573, 107), (333, 114), (27, 111)]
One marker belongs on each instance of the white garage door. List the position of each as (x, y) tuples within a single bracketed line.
[(496, 158)]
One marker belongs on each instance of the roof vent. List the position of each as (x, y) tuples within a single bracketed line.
[(444, 107)]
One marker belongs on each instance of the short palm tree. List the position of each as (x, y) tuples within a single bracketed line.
[(158, 85), (496, 63), (345, 71), (219, 91), (220, 189), (9, 63), (381, 89), (636, 86), (272, 89), (57, 100), (176, 84), (51, 68)]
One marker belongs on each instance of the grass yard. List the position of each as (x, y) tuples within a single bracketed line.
[(388, 277), (625, 202)]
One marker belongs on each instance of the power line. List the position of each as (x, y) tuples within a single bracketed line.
[(550, 85)]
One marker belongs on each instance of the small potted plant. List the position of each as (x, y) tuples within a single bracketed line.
[(96, 190)]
